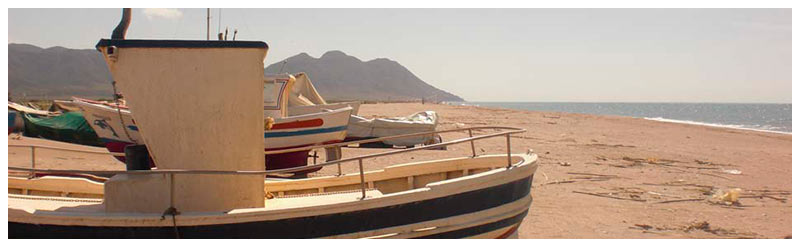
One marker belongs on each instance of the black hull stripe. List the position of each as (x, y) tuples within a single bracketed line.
[(303, 227), (475, 230)]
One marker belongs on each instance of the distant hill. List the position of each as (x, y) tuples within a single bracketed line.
[(59, 72), (56, 72), (338, 76)]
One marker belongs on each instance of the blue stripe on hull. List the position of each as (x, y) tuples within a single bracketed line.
[(304, 132)]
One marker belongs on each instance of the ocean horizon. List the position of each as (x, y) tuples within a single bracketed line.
[(768, 117)]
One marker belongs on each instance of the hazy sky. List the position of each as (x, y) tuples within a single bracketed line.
[(617, 55)]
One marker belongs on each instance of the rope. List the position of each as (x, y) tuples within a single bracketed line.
[(175, 226), (119, 111), (172, 211)]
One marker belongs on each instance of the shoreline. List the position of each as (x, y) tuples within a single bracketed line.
[(658, 119), (725, 126)]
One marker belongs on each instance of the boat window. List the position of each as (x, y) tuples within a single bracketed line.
[(272, 94)]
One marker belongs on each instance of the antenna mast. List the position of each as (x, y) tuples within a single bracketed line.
[(283, 65)]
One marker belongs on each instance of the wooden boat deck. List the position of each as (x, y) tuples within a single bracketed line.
[(65, 205)]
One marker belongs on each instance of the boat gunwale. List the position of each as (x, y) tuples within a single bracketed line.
[(483, 180), (509, 212)]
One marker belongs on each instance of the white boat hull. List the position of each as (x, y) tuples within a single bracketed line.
[(310, 129)]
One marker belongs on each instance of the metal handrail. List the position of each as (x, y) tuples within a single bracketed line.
[(508, 131), (34, 146), (377, 139), (294, 169)]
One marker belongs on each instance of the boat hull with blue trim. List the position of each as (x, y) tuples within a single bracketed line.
[(472, 197), (308, 129), (113, 124)]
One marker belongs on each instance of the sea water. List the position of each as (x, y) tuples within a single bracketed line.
[(762, 117)]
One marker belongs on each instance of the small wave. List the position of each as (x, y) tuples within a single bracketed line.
[(769, 129), (459, 103)]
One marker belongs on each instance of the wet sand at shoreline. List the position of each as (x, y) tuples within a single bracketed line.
[(598, 176)]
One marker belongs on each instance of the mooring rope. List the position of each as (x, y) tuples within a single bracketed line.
[(119, 112), (175, 227), (172, 211)]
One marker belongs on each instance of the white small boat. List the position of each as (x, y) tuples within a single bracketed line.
[(313, 127), (282, 131), (364, 128)]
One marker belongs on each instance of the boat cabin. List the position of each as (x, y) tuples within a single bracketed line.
[(276, 95)]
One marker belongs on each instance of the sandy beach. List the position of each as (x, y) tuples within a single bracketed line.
[(598, 176)]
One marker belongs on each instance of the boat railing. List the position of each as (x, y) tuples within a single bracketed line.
[(507, 131), (502, 131), (34, 147)]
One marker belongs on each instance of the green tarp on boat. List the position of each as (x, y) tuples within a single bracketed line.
[(68, 127)]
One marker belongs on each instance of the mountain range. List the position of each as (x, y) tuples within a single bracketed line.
[(59, 72), (338, 76)]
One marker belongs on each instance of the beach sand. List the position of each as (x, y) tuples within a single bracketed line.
[(598, 176)]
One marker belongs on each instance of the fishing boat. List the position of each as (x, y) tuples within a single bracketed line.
[(470, 197), (211, 182), (323, 124), (113, 124), (304, 99), (282, 131), (364, 128)]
